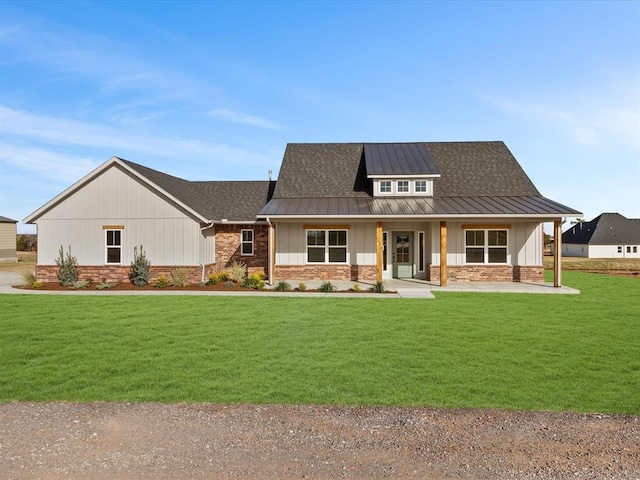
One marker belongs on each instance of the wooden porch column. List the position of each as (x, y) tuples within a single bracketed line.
[(557, 253), (272, 254), (443, 254), (378, 251)]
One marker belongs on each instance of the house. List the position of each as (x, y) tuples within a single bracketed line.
[(8, 235), (349, 211), (609, 235)]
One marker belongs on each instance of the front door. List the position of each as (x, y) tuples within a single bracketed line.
[(402, 254)]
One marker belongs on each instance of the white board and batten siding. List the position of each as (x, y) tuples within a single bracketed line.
[(169, 236), (524, 243)]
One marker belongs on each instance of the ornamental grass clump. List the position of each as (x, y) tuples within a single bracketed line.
[(283, 287), (237, 272), (140, 268), (180, 277), (67, 268), (327, 287)]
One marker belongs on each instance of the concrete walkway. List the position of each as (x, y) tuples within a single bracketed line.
[(405, 288)]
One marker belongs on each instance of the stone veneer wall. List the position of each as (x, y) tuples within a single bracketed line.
[(489, 273), (325, 272)]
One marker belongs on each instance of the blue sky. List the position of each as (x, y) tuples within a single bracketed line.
[(215, 90)]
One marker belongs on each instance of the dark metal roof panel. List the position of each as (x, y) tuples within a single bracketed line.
[(416, 206), (398, 159)]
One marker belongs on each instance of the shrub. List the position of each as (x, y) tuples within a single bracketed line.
[(36, 285), (254, 281), (327, 287), (180, 277), (67, 268), (105, 285), (378, 287), (80, 284), (302, 286), (161, 282), (237, 271), (356, 288), (140, 268), (213, 279), (283, 287), (223, 276), (28, 277), (229, 284)]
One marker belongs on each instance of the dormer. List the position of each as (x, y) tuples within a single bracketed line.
[(400, 169)]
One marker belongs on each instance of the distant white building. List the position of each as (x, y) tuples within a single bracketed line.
[(609, 235), (8, 234)]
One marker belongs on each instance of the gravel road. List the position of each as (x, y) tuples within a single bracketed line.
[(197, 441)]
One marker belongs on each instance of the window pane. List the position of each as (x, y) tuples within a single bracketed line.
[(421, 186), (337, 237), (497, 255), (113, 255), (475, 255), (498, 237), (403, 186), (247, 248), (474, 237), (337, 254), (315, 237), (109, 237), (247, 235), (385, 186), (315, 254)]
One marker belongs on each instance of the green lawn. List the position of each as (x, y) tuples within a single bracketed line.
[(541, 352)]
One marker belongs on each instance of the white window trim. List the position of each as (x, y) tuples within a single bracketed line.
[(243, 242), (486, 246), (403, 192), (411, 191), (390, 187), (326, 246), (107, 247)]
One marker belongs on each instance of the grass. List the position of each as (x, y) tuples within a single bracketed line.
[(511, 351)]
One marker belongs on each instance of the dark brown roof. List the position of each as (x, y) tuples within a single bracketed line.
[(215, 200), (605, 229), (417, 206), (398, 159)]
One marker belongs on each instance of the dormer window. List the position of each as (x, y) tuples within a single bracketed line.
[(421, 186), (403, 186), (385, 186)]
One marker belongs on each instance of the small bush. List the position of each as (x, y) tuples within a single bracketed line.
[(327, 287), (36, 285), (223, 276), (302, 286), (378, 287), (28, 277), (161, 282), (213, 279), (356, 288), (229, 284), (140, 268), (104, 285), (67, 268), (283, 287), (180, 277), (254, 281), (237, 272), (80, 284)]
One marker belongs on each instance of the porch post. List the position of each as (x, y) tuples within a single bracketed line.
[(443, 254), (379, 252), (272, 253), (557, 253)]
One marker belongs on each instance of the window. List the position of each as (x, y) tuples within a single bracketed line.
[(326, 246), (403, 186), (246, 242), (628, 249), (421, 186), (619, 249), (421, 252), (635, 249), (113, 246), (486, 246), (385, 186)]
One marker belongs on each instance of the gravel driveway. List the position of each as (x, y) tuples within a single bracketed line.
[(197, 441)]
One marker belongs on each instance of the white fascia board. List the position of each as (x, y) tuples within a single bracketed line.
[(430, 175)]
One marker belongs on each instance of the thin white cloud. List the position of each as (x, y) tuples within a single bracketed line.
[(46, 163), (227, 115)]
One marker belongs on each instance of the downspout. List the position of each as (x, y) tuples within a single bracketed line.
[(269, 252), (202, 249)]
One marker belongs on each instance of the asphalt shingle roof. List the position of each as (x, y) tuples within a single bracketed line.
[(7, 220), (215, 200), (605, 229)]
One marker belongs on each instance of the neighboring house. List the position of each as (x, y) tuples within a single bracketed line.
[(355, 211), (609, 235), (8, 236)]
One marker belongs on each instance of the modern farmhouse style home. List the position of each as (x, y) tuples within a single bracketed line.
[(349, 211), (609, 235)]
